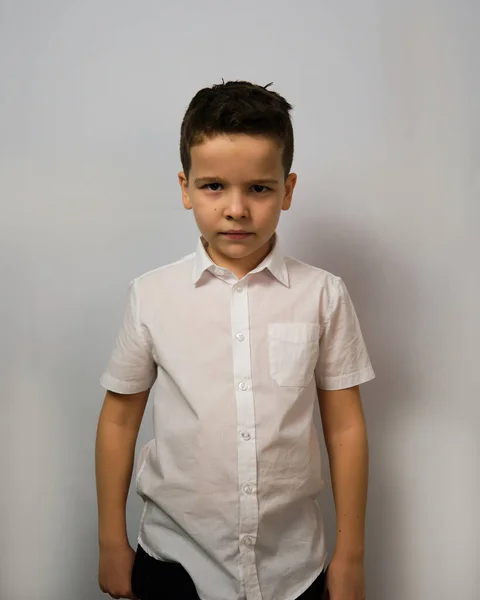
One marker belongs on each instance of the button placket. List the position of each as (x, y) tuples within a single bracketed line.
[(246, 452), (248, 489)]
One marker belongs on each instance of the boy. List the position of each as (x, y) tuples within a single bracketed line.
[(241, 342)]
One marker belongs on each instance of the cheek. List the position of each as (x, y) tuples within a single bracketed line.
[(205, 214), (270, 211)]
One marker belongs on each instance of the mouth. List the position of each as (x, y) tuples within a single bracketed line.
[(236, 235)]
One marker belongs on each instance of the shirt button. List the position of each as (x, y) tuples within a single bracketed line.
[(239, 290), (240, 337), (243, 386), (246, 436), (249, 541), (247, 488)]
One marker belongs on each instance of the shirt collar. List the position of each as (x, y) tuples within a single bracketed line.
[(274, 262)]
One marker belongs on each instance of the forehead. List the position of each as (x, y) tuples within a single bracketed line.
[(237, 156)]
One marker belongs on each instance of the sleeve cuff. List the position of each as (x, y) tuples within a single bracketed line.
[(345, 381), (112, 384)]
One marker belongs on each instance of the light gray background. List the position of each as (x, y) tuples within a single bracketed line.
[(387, 97)]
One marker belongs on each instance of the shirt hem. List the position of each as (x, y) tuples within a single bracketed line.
[(293, 596), (146, 549), (297, 593)]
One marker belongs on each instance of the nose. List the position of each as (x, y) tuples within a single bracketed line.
[(237, 206)]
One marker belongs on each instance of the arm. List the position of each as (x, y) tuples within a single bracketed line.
[(347, 446), (117, 433)]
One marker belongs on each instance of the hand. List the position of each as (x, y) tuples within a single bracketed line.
[(345, 579), (115, 571)]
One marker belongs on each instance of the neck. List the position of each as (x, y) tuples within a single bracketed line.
[(240, 267)]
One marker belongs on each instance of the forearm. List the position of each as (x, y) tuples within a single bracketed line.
[(114, 458), (348, 456)]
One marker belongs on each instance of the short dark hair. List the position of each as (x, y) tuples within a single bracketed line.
[(236, 107)]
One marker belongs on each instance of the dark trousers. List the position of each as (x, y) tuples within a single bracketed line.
[(158, 580)]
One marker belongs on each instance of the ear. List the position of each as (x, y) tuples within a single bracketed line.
[(183, 181), (289, 187)]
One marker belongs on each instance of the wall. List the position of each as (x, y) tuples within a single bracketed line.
[(387, 122)]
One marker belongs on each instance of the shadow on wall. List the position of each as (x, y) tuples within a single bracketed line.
[(383, 294)]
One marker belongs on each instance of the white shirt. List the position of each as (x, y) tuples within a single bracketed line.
[(231, 479)]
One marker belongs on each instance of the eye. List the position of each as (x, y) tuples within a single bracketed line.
[(212, 187), (260, 189)]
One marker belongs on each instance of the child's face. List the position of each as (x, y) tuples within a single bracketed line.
[(237, 182)]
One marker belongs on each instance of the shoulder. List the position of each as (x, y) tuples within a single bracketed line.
[(304, 271), (164, 277), (329, 290)]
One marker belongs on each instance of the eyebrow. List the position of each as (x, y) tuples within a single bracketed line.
[(260, 181)]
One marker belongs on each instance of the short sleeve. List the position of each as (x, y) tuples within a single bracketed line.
[(343, 358), (131, 367)]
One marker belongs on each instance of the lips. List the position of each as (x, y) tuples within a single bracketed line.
[(236, 235)]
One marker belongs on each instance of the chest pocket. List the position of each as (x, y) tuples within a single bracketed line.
[(293, 352)]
